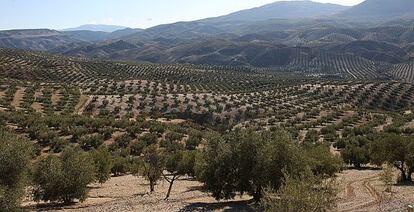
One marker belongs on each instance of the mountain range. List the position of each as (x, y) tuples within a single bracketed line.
[(97, 28), (269, 36)]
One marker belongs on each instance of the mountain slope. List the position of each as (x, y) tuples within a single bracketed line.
[(381, 9), (97, 27), (94, 36), (36, 39), (283, 10)]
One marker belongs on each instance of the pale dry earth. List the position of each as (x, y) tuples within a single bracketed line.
[(130, 193), (362, 190)]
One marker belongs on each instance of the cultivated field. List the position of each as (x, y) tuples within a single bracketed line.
[(57, 102)]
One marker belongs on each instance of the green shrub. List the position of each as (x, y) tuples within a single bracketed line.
[(103, 164), (15, 156), (65, 178), (91, 141), (302, 193), (121, 165)]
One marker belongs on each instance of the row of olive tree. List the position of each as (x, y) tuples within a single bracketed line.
[(379, 149), (54, 178), (242, 161)]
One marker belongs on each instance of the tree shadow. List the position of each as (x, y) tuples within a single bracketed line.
[(374, 168), (195, 188), (404, 184), (46, 206), (230, 206)]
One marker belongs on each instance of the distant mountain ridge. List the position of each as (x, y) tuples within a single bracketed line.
[(381, 9), (284, 33), (283, 10), (37, 39), (97, 28)]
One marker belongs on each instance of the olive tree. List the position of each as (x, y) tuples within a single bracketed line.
[(397, 150), (103, 164), (247, 162), (178, 164), (15, 156), (153, 165), (306, 192), (65, 178)]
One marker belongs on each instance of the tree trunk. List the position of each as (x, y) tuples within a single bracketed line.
[(67, 200), (409, 174), (152, 185), (257, 194), (402, 170), (169, 188)]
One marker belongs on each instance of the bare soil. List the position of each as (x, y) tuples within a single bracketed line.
[(37, 107), (83, 102), (130, 193), (55, 97), (18, 96), (362, 190)]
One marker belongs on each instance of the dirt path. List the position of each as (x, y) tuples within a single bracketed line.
[(18, 96), (374, 193), (359, 194)]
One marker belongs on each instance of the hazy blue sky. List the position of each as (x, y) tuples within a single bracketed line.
[(59, 14)]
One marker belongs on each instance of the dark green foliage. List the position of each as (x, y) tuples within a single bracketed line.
[(91, 142), (121, 142), (15, 156), (42, 133), (149, 138), (154, 163), (65, 178), (121, 165), (355, 150), (355, 155), (179, 163), (247, 161), (322, 162), (59, 144), (136, 148), (396, 150), (193, 142), (302, 193), (312, 137), (173, 136), (103, 163)]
